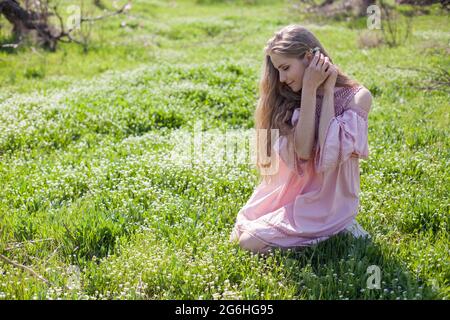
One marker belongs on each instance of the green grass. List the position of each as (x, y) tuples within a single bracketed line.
[(92, 162)]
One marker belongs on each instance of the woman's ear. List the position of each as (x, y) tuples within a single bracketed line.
[(307, 59)]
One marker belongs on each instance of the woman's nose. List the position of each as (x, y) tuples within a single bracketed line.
[(282, 77)]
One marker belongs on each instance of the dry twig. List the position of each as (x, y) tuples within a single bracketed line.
[(27, 269)]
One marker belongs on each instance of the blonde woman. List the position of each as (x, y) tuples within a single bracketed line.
[(309, 187)]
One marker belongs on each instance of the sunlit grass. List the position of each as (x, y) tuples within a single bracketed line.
[(96, 163)]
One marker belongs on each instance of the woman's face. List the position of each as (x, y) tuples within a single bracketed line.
[(291, 69)]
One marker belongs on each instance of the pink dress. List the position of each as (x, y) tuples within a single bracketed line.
[(308, 201)]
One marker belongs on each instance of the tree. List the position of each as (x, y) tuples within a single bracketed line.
[(331, 8), (32, 19)]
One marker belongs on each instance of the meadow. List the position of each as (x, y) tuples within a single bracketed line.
[(95, 201)]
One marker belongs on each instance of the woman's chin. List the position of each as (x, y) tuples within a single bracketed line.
[(296, 88)]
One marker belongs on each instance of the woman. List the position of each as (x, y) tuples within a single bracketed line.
[(310, 186)]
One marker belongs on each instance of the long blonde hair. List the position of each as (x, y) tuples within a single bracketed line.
[(277, 101)]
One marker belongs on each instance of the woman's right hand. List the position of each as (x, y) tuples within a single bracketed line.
[(315, 73)]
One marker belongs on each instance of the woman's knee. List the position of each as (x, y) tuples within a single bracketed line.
[(248, 242)]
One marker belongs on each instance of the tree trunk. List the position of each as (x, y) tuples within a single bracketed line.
[(26, 22), (335, 7), (363, 7), (32, 21)]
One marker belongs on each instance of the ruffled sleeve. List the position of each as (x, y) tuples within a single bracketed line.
[(284, 146), (346, 136)]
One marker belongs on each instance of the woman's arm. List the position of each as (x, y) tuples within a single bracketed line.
[(326, 114), (305, 128)]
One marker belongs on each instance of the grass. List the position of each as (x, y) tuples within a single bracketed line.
[(99, 194)]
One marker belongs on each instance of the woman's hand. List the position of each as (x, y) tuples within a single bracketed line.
[(331, 80), (317, 71)]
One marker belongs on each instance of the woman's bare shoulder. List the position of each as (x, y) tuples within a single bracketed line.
[(362, 100)]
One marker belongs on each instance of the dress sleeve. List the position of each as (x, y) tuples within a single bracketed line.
[(346, 136), (285, 148)]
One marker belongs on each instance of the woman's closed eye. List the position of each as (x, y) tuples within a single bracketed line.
[(286, 68)]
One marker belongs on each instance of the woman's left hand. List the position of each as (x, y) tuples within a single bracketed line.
[(330, 82)]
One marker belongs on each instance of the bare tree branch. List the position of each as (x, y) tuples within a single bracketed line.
[(25, 20), (125, 8), (28, 269)]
